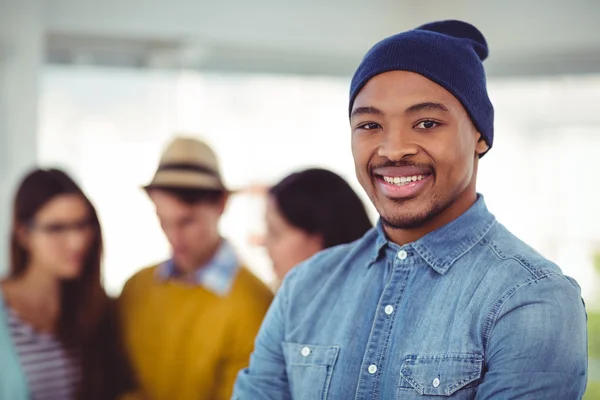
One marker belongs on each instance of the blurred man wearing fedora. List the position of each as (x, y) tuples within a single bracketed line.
[(190, 322)]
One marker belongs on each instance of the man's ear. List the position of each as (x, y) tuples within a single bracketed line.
[(222, 202), (481, 146)]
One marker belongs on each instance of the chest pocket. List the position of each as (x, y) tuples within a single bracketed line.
[(440, 375), (309, 369)]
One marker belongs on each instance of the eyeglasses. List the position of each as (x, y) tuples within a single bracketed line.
[(61, 229)]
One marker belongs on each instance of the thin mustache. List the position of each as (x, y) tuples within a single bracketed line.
[(400, 164)]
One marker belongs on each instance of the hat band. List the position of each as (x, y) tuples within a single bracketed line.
[(188, 167)]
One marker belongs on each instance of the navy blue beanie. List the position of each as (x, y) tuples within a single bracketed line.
[(449, 53)]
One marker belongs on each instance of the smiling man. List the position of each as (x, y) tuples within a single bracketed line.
[(439, 299)]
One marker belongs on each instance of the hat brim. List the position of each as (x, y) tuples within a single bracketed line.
[(185, 180)]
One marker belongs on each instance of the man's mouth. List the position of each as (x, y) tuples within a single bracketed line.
[(403, 180)]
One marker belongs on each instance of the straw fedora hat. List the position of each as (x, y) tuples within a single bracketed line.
[(188, 164)]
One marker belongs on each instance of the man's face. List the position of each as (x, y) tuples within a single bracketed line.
[(415, 149), (192, 229)]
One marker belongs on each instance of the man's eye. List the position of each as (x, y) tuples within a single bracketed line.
[(369, 126), (426, 124)]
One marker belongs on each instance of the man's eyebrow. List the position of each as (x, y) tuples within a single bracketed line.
[(365, 110), (426, 106)]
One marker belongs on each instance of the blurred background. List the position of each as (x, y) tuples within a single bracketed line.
[(99, 88)]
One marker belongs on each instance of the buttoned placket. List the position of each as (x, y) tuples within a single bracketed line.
[(369, 383)]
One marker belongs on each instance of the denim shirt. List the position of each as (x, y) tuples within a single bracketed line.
[(467, 311)]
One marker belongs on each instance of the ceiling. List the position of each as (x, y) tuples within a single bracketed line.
[(526, 38)]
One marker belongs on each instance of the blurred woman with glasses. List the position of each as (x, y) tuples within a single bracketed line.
[(58, 338)]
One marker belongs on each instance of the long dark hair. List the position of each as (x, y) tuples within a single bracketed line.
[(83, 299), (87, 319), (319, 201)]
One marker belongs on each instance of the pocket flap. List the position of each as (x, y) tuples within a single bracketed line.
[(441, 375), (308, 354)]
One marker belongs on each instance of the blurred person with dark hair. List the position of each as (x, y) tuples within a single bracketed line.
[(190, 322), (310, 211), (58, 328)]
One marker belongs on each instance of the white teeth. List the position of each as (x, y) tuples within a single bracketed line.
[(402, 180)]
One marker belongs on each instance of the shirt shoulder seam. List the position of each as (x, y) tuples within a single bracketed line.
[(503, 299)]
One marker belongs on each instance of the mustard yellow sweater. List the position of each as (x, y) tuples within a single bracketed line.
[(186, 343)]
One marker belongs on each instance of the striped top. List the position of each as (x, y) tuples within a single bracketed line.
[(52, 371)]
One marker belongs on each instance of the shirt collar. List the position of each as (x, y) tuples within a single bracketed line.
[(380, 242), (442, 247), (217, 275)]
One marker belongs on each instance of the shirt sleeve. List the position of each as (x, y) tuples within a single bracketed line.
[(537, 347), (266, 377)]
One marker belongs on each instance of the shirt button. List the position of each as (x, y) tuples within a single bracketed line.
[(372, 369), (402, 254), (436, 382), (389, 310), (305, 351)]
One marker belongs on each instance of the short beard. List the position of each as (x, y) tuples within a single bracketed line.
[(415, 221)]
